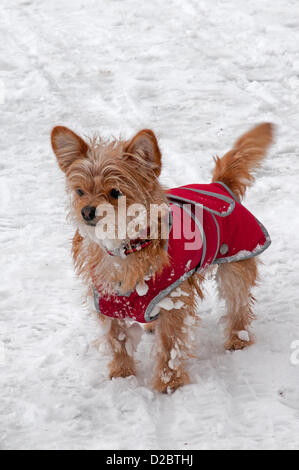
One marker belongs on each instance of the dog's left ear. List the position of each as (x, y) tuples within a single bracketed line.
[(145, 145)]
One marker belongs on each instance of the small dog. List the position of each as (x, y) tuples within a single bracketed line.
[(124, 270)]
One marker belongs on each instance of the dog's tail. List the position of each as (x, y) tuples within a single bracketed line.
[(236, 169)]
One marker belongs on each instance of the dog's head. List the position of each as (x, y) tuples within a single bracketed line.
[(103, 175)]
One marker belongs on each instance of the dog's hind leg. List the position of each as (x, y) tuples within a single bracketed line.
[(122, 364), (235, 282)]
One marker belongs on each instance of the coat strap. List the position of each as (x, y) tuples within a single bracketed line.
[(228, 200)]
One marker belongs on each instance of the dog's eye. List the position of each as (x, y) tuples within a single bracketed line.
[(80, 192), (115, 193)]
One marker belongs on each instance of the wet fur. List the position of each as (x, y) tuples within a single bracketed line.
[(133, 167)]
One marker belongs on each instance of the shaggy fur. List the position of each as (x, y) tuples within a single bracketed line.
[(96, 167)]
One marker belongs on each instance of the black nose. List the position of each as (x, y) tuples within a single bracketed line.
[(88, 213)]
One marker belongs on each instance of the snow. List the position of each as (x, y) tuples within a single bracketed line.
[(174, 361), (188, 264), (142, 289), (178, 292), (199, 73), (169, 304), (243, 335), (134, 332)]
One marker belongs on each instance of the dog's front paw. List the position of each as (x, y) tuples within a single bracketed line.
[(239, 340), (169, 381), (124, 367)]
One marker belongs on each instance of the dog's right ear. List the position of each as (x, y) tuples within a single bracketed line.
[(67, 146), (145, 143)]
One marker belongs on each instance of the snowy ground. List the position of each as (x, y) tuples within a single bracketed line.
[(199, 73)]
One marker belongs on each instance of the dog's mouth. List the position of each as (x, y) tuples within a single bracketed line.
[(126, 247), (90, 223), (133, 247)]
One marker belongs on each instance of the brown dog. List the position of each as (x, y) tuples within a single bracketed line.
[(98, 173)]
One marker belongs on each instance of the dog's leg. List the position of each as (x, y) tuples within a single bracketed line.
[(235, 281), (122, 364), (175, 340), (150, 328)]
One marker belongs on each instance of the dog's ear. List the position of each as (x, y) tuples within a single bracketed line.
[(67, 146), (145, 145)]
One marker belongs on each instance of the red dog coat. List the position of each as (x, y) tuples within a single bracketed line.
[(225, 231)]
